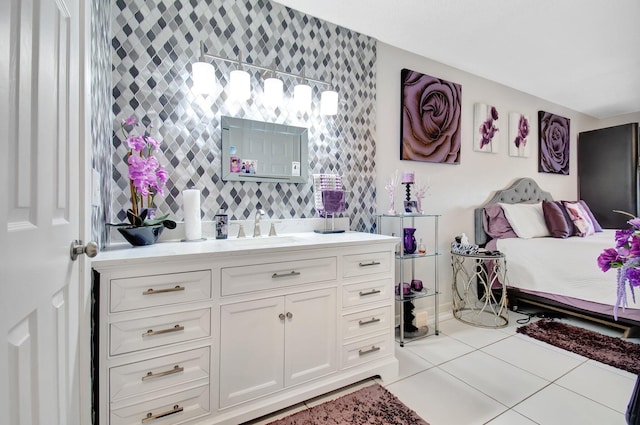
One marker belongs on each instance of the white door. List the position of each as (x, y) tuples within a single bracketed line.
[(310, 336), (40, 119)]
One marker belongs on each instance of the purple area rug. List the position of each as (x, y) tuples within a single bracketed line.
[(372, 405), (606, 349)]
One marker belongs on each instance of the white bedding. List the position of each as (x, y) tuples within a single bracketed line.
[(562, 266)]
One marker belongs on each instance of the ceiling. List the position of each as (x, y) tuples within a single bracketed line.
[(581, 54)]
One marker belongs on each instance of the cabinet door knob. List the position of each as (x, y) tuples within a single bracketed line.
[(289, 315), (281, 316)]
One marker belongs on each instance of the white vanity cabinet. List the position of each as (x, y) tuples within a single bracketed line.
[(295, 337), (206, 333)]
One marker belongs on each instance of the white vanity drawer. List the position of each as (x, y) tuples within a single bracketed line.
[(366, 292), (365, 264), (261, 277), (148, 332), (156, 290), (366, 350), (171, 409), (366, 322), (159, 373)]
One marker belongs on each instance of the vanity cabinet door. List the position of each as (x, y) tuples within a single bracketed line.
[(310, 335), (251, 349)]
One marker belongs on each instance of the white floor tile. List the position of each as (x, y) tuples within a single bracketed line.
[(601, 383), (496, 378), (410, 364), (471, 335), (555, 405), (511, 417), (437, 397), (541, 359), (438, 349)]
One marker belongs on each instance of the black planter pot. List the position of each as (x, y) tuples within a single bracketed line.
[(633, 409), (141, 236)]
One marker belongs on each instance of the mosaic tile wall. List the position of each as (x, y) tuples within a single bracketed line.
[(100, 112), (154, 44)]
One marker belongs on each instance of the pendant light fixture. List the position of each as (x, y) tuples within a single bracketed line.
[(273, 90), (240, 82), (302, 96), (204, 77), (329, 102)]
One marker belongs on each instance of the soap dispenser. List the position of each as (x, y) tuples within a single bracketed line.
[(221, 220)]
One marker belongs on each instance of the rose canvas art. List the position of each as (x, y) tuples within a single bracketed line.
[(485, 119), (518, 135), (553, 149), (430, 120)]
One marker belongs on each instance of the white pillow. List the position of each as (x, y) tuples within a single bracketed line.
[(527, 220)]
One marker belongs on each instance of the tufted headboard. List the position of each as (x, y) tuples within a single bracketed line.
[(522, 190)]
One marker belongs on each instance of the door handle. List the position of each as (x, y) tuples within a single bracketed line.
[(77, 248)]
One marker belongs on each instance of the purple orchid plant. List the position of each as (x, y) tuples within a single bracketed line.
[(147, 177), (625, 257)]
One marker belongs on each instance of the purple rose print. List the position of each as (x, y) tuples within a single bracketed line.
[(523, 132), (554, 143), (430, 127)]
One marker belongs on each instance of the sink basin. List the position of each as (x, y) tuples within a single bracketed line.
[(262, 242)]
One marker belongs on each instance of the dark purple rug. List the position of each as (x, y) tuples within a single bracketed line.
[(606, 349), (372, 405)]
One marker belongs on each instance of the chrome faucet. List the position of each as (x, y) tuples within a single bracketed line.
[(256, 228)]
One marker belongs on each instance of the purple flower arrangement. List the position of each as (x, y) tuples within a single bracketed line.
[(625, 257), (147, 177)]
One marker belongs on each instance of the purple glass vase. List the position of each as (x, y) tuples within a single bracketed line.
[(409, 240)]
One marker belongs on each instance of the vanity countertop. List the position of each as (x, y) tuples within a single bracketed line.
[(126, 254)]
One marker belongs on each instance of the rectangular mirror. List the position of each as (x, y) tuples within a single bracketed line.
[(263, 152)]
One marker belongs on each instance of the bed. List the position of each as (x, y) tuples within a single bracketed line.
[(553, 273)]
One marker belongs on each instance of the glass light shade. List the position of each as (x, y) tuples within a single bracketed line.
[(302, 97), (240, 83), (329, 102), (273, 92), (204, 78)]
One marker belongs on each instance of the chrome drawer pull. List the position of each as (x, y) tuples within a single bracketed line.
[(151, 417), (373, 349), (292, 273), (372, 263), (151, 375), (372, 292), (151, 332), (152, 291), (368, 322)]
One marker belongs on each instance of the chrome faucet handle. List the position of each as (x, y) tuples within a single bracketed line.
[(272, 229), (241, 232), (256, 227)]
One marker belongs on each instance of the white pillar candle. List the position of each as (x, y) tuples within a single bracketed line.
[(192, 224)]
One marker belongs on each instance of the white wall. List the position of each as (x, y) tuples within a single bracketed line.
[(457, 189)]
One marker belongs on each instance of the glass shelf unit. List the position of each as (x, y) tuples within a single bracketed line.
[(418, 268)]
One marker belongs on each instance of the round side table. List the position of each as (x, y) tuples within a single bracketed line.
[(479, 289)]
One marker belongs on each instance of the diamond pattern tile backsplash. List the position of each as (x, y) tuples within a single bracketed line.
[(154, 44)]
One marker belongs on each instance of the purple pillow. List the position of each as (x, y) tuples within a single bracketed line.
[(495, 223), (581, 222), (557, 219), (596, 225)]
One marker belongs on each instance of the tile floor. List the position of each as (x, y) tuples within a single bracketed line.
[(468, 375)]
